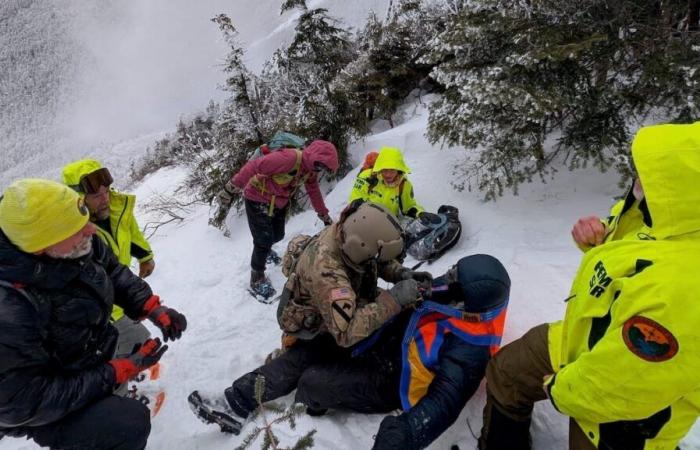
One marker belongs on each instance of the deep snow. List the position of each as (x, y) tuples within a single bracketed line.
[(204, 275)]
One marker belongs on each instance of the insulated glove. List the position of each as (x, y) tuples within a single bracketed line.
[(170, 322), (406, 292), (326, 219), (225, 196), (424, 279), (145, 356)]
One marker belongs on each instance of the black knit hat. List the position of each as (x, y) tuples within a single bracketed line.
[(479, 281)]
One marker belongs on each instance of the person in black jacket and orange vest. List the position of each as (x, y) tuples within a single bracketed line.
[(447, 344), (58, 283)]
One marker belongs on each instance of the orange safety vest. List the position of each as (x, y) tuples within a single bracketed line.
[(425, 335)]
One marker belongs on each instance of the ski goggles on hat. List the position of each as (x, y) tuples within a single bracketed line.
[(93, 181)]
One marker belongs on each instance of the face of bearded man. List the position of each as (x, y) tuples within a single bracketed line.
[(83, 247)]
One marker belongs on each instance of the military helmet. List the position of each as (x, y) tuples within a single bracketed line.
[(370, 231)]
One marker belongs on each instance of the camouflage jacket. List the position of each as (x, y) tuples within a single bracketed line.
[(330, 294)]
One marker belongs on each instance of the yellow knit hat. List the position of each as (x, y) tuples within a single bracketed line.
[(35, 214)]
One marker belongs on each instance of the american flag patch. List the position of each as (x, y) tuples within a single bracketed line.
[(340, 293)]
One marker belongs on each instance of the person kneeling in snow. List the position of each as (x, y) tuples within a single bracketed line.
[(58, 283), (330, 303), (385, 183)]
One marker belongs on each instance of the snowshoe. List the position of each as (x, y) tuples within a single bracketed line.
[(262, 290), (215, 412), (273, 258), (152, 400)]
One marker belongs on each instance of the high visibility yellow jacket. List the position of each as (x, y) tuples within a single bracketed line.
[(370, 187), (124, 235), (627, 354), (626, 220)]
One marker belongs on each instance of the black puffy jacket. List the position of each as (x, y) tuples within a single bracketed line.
[(55, 334), (462, 367)]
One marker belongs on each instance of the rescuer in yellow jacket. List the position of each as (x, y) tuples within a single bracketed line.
[(624, 363), (626, 219), (113, 213), (386, 184)]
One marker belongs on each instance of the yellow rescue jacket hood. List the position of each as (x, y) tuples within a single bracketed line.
[(661, 150)]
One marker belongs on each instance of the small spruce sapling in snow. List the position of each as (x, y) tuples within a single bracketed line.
[(289, 415)]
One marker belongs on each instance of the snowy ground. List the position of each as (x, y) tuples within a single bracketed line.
[(204, 275)]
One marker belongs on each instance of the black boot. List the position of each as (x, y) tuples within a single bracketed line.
[(500, 432)]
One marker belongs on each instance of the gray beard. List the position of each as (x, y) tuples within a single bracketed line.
[(82, 249)]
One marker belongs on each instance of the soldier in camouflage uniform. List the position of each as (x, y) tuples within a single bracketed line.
[(330, 302)]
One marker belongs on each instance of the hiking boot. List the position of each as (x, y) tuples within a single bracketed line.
[(216, 410)]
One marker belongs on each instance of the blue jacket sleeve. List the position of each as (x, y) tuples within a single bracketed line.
[(461, 368), (31, 392)]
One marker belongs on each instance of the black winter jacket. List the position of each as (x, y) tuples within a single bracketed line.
[(462, 366), (55, 342)]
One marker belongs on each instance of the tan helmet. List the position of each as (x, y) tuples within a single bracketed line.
[(370, 231)]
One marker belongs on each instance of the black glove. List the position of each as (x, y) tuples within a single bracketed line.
[(406, 292), (170, 322), (326, 219), (394, 434)]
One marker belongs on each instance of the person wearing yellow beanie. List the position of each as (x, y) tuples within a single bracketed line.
[(36, 214), (112, 212), (58, 283)]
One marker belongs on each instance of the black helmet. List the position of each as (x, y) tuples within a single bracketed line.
[(480, 281)]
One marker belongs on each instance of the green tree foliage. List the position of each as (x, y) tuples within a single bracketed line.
[(521, 76)]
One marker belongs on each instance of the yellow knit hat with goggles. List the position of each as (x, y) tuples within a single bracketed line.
[(35, 213)]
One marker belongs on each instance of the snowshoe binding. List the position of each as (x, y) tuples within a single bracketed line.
[(273, 258), (215, 411), (261, 287)]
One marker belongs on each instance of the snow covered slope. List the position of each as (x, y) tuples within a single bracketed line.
[(204, 275)]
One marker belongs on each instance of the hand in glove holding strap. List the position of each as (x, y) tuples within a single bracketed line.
[(141, 359), (225, 196), (170, 322), (424, 279), (326, 219), (406, 292)]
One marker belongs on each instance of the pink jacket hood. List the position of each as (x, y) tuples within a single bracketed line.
[(323, 152)]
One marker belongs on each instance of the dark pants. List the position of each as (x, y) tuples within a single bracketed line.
[(266, 230), (111, 423), (325, 376), (514, 379)]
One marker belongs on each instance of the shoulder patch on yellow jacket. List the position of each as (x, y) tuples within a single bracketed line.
[(649, 340)]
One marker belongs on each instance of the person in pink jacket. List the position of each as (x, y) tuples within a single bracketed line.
[(268, 184)]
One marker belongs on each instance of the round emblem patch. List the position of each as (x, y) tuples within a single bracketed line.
[(649, 340), (82, 207)]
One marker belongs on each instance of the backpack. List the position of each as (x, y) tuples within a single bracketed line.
[(281, 139), (427, 241), (295, 248)]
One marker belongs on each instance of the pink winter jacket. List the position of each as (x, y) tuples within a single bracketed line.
[(282, 162)]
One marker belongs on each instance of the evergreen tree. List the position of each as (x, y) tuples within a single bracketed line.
[(390, 64), (518, 75)]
